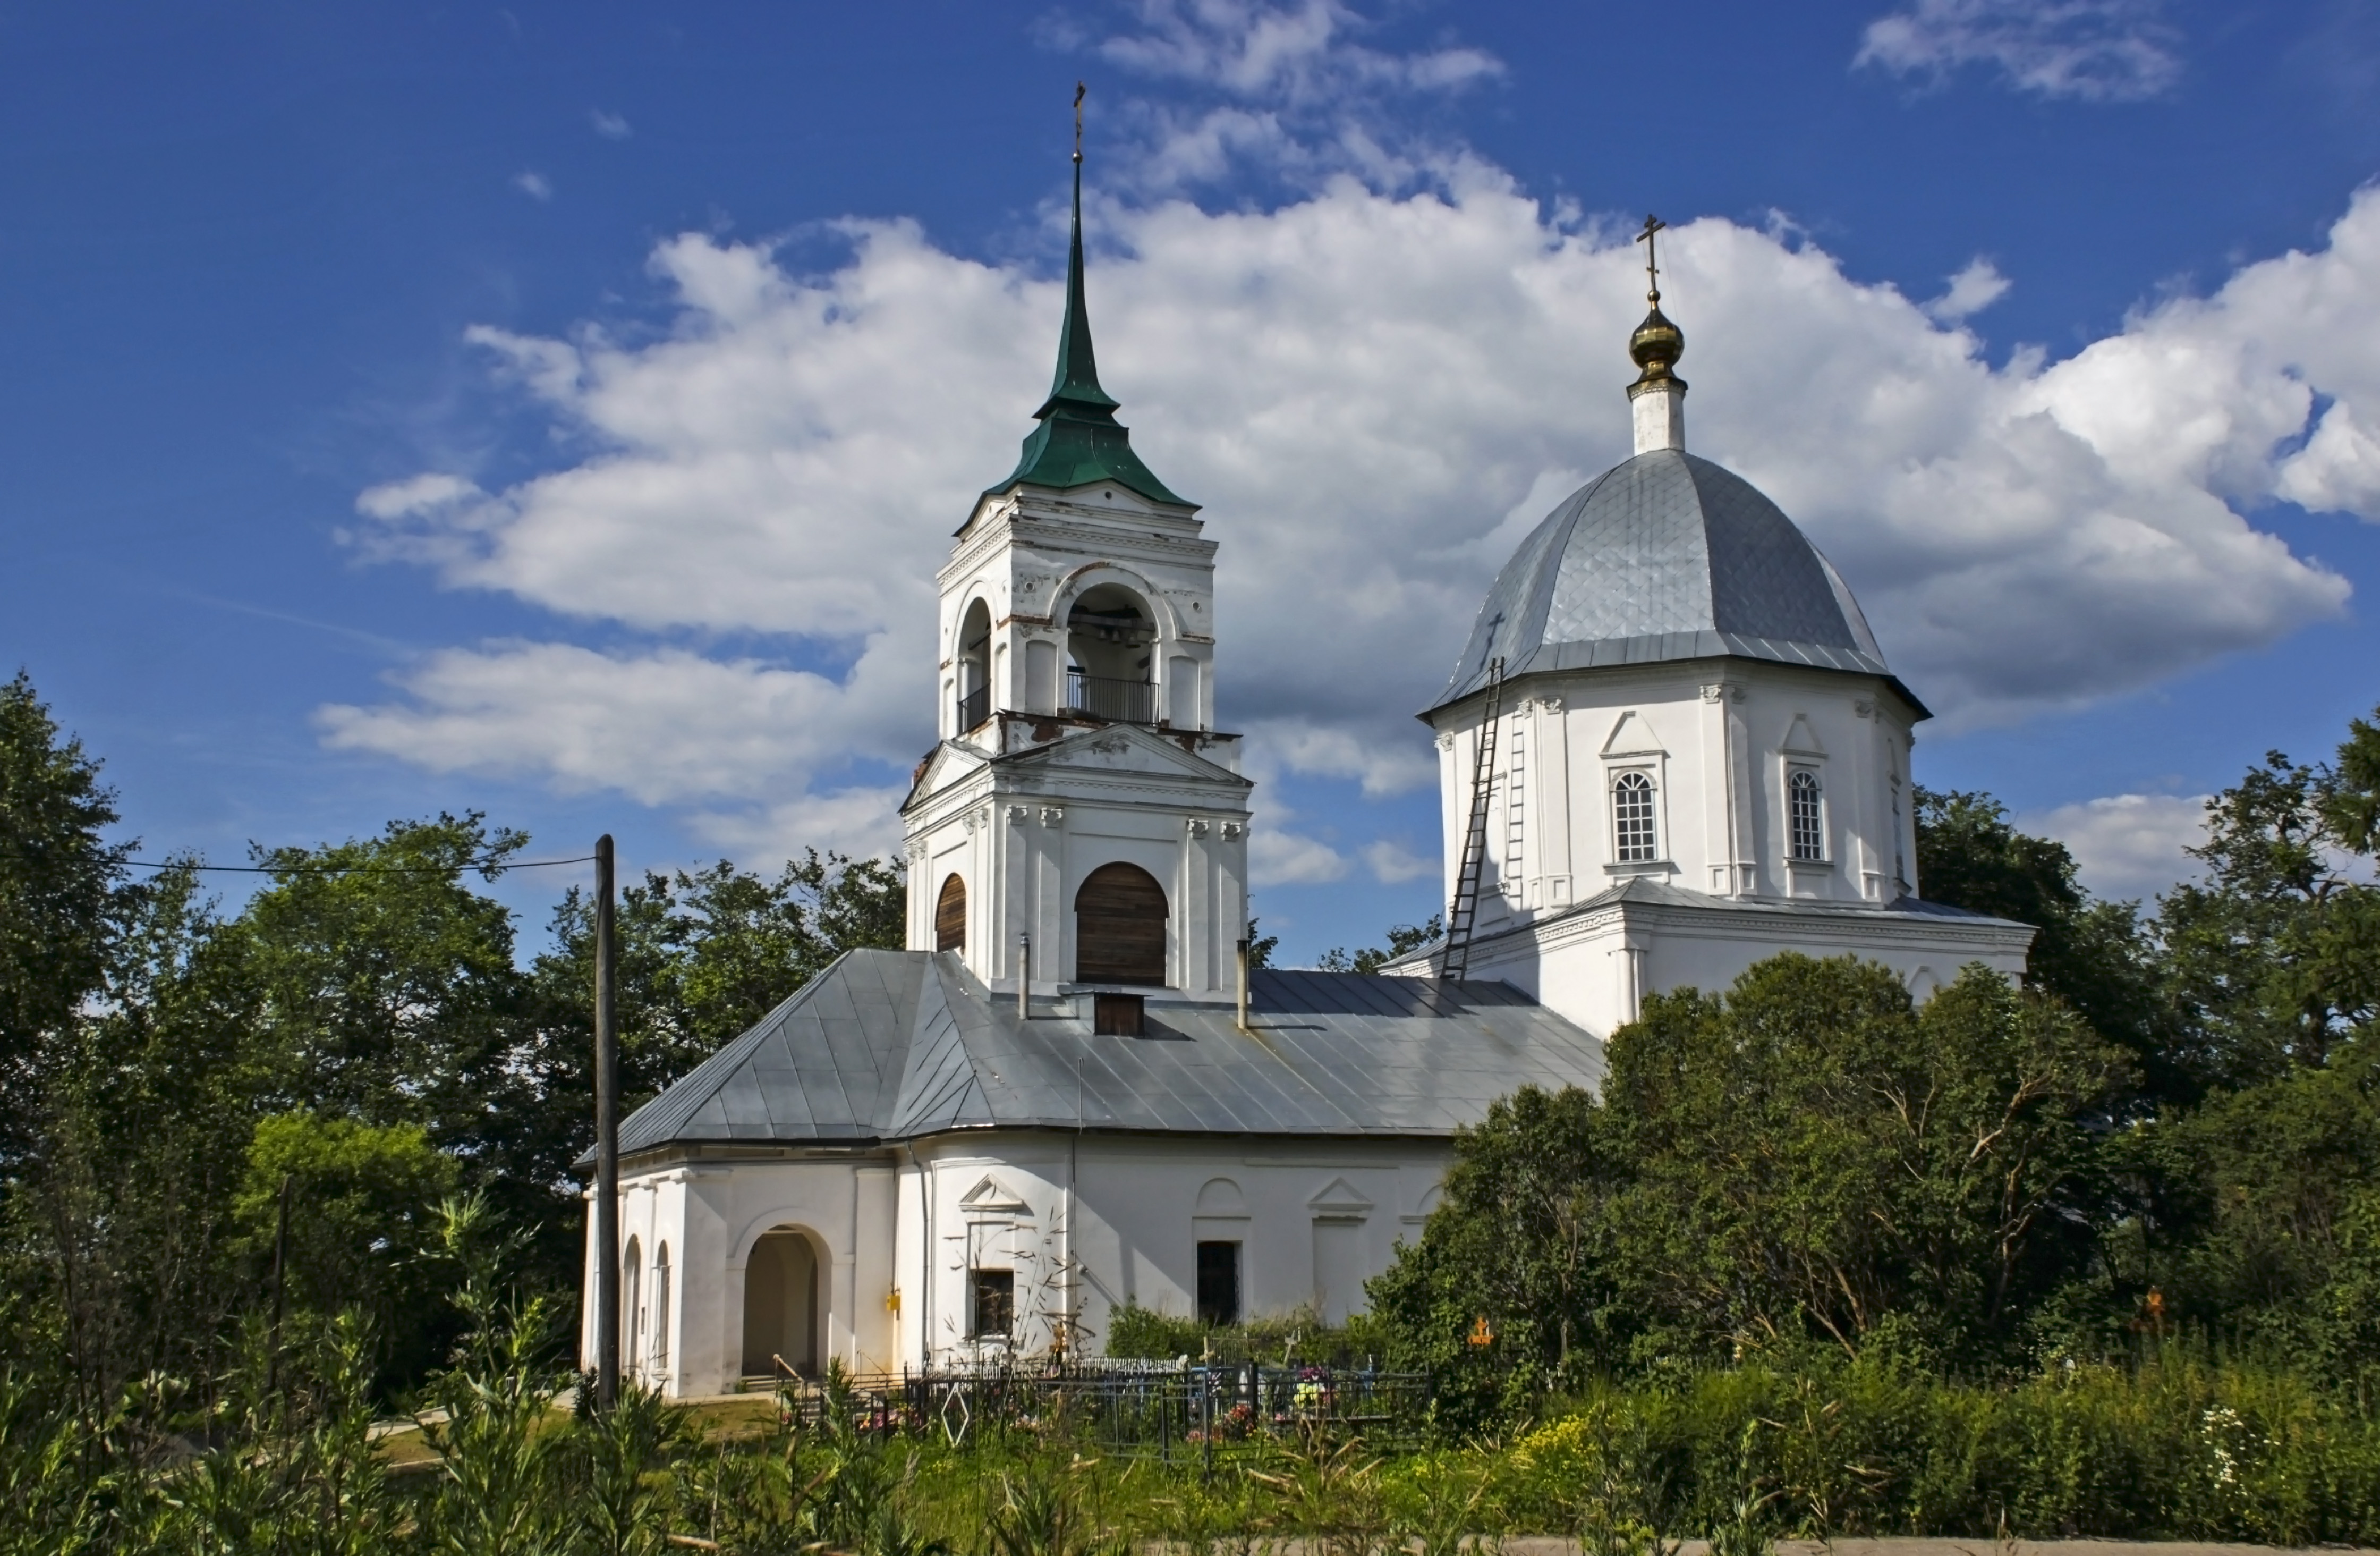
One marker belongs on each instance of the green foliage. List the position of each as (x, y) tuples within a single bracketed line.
[(2275, 956), (1278, 1339), (704, 955), (361, 1233), (1402, 939), (2096, 955), (1807, 1157), (62, 893)]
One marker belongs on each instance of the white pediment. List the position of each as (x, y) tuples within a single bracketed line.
[(1339, 1198), (1130, 748), (1633, 737), (1801, 740), (991, 1198), (950, 760)]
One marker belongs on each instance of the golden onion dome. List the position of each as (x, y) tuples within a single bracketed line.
[(1656, 345)]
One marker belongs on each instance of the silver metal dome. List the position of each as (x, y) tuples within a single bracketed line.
[(1665, 558)]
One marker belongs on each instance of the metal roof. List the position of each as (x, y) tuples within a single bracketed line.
[(893, 1045), (1665, 558)]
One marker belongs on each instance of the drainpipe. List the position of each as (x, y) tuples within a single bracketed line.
[(1024, 977)]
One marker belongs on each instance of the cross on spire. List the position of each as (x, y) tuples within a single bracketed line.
[(1652, 224), (1080, 92)]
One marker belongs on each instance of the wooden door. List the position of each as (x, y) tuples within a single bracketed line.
[(950, 915), (1120, 927)]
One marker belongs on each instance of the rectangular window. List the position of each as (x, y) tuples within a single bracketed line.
[(992, 1303), (1219, 1282)]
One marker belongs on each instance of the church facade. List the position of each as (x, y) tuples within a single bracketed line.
[(1069, 1092)]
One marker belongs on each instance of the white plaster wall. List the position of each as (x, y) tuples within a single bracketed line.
[(1714, 737), (1025, 836), (1094, 1222), (712, 1213)]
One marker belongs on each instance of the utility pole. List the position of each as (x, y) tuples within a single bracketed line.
[(607, 1138)]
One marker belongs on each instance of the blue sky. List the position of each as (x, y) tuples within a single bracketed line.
[(557, 410)]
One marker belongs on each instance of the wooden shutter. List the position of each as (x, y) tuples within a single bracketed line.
[(1120, 927), (950, 915)]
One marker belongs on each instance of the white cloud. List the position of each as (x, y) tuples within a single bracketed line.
[(534, 184), (611, 127), (667, 727), (2094, 50), (2338, 470), (2126, 846), (1378, 387), (1970, 292), (416, 497), (1295, 54), (1376, 395), (1285, 858), (860, 821), (1392, 863)]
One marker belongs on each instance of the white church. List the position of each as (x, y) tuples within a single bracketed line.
[(1067, 1094)]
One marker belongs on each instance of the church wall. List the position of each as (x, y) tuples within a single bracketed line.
[(1128, 1230), (711, 1214), (1719, 741)]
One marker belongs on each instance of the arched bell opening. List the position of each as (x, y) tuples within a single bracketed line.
[(974, 666), (782, 1313), (950, 915), (1120, 916), (1111, 650)]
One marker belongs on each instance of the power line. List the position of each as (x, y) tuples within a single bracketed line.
[(495, 863)]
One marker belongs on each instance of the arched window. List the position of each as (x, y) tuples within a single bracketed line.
[(974, 666), (660, 1309), (1120, 927), (1809, 824), (1633, 834), (950, 915)]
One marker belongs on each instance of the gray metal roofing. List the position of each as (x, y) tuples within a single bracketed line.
[(892, 1045), (1665, 557)]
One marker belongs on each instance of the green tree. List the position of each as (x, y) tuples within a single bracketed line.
[(705, 954), (2093, 954), (361, 1230), (144, 1116), (2275, 956), (1805, 1157), (1816, 1156), (1402, 940), (1514, 1280), (63, 893)]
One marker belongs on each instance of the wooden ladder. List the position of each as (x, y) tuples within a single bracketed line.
[(1463, 912)]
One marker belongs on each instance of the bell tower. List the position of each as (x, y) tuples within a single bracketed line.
[(1080, 808)]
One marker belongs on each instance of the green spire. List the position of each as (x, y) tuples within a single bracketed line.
[(1076, 383), (1079, 439)]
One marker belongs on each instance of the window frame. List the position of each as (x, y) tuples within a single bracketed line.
[(1797, 774), (1616, 780), (981, 1277), (1238, 1304)]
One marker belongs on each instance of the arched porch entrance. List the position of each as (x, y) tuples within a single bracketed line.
[(783, 1310)]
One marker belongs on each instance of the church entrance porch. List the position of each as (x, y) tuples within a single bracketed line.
[(783, 1310)]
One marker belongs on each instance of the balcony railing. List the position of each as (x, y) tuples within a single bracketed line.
[(974, 707), (1110, 697)]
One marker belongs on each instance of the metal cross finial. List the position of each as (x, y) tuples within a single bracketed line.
[(1652, 271), (1080, 89)]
